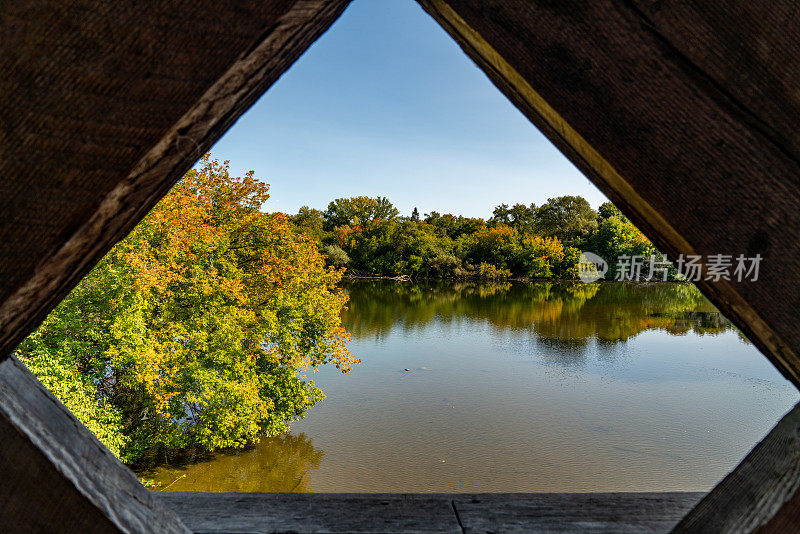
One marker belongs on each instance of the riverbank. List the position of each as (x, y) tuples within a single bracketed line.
[(409, 278), (555, 280)]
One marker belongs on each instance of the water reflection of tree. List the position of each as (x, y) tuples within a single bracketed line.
[(278, 464), (557, 313)]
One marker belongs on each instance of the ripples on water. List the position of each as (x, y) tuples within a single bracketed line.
[(519, 387)]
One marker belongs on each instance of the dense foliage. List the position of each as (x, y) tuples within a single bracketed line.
[(369, 237), (196, 329)]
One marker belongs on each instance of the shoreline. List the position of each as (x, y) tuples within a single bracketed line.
[(409, 278)]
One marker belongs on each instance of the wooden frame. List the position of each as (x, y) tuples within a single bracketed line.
[(683, 112)]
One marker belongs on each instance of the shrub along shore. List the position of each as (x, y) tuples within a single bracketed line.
[(369, 238)]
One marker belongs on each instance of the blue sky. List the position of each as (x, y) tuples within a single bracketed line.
[(385, 103)]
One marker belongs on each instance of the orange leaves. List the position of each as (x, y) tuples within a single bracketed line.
[(544, 247), (206, 315), (341, 355), (494, 237), (232, 305), (160, 376)]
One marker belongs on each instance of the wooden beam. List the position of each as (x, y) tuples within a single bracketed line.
[(761, 494), (104, 109), (57, 477), (655, 115), (257, 513), (749, 50)]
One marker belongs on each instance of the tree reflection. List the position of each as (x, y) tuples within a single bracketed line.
[(278, 464), (564, 315)]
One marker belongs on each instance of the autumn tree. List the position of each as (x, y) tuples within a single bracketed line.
[(498, 246), (196, 329), (539, 257)]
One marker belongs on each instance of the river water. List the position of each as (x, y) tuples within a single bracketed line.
[(520, 387)]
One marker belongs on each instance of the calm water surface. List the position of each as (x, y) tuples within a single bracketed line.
[(520, 387)]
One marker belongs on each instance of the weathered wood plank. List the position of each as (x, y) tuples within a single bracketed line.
[(104, 109), (680, 152), (574, 512), (57, 477), (761, 493), (263, 513), (513, 512), (751, 50)]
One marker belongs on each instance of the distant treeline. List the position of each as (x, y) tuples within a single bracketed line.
[(369, 237)]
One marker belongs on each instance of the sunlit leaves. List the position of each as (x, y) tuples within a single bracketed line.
[(201, 320)]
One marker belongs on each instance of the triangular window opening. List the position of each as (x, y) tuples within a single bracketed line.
[(480, 362)]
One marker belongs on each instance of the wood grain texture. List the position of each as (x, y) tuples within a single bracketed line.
[(257, 513), (574, 512), (57, 477), (312, 512), (750, 50), (761, 494), (669, 143), (105, 108)]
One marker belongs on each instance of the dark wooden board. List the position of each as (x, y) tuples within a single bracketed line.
[(55, 476), (750, 50), (574, 512), (312, 512), (257, 513)]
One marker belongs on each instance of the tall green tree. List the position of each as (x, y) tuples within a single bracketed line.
[(616, 236), (357, 211), (310, 221), (569, 218), (520, 217)]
